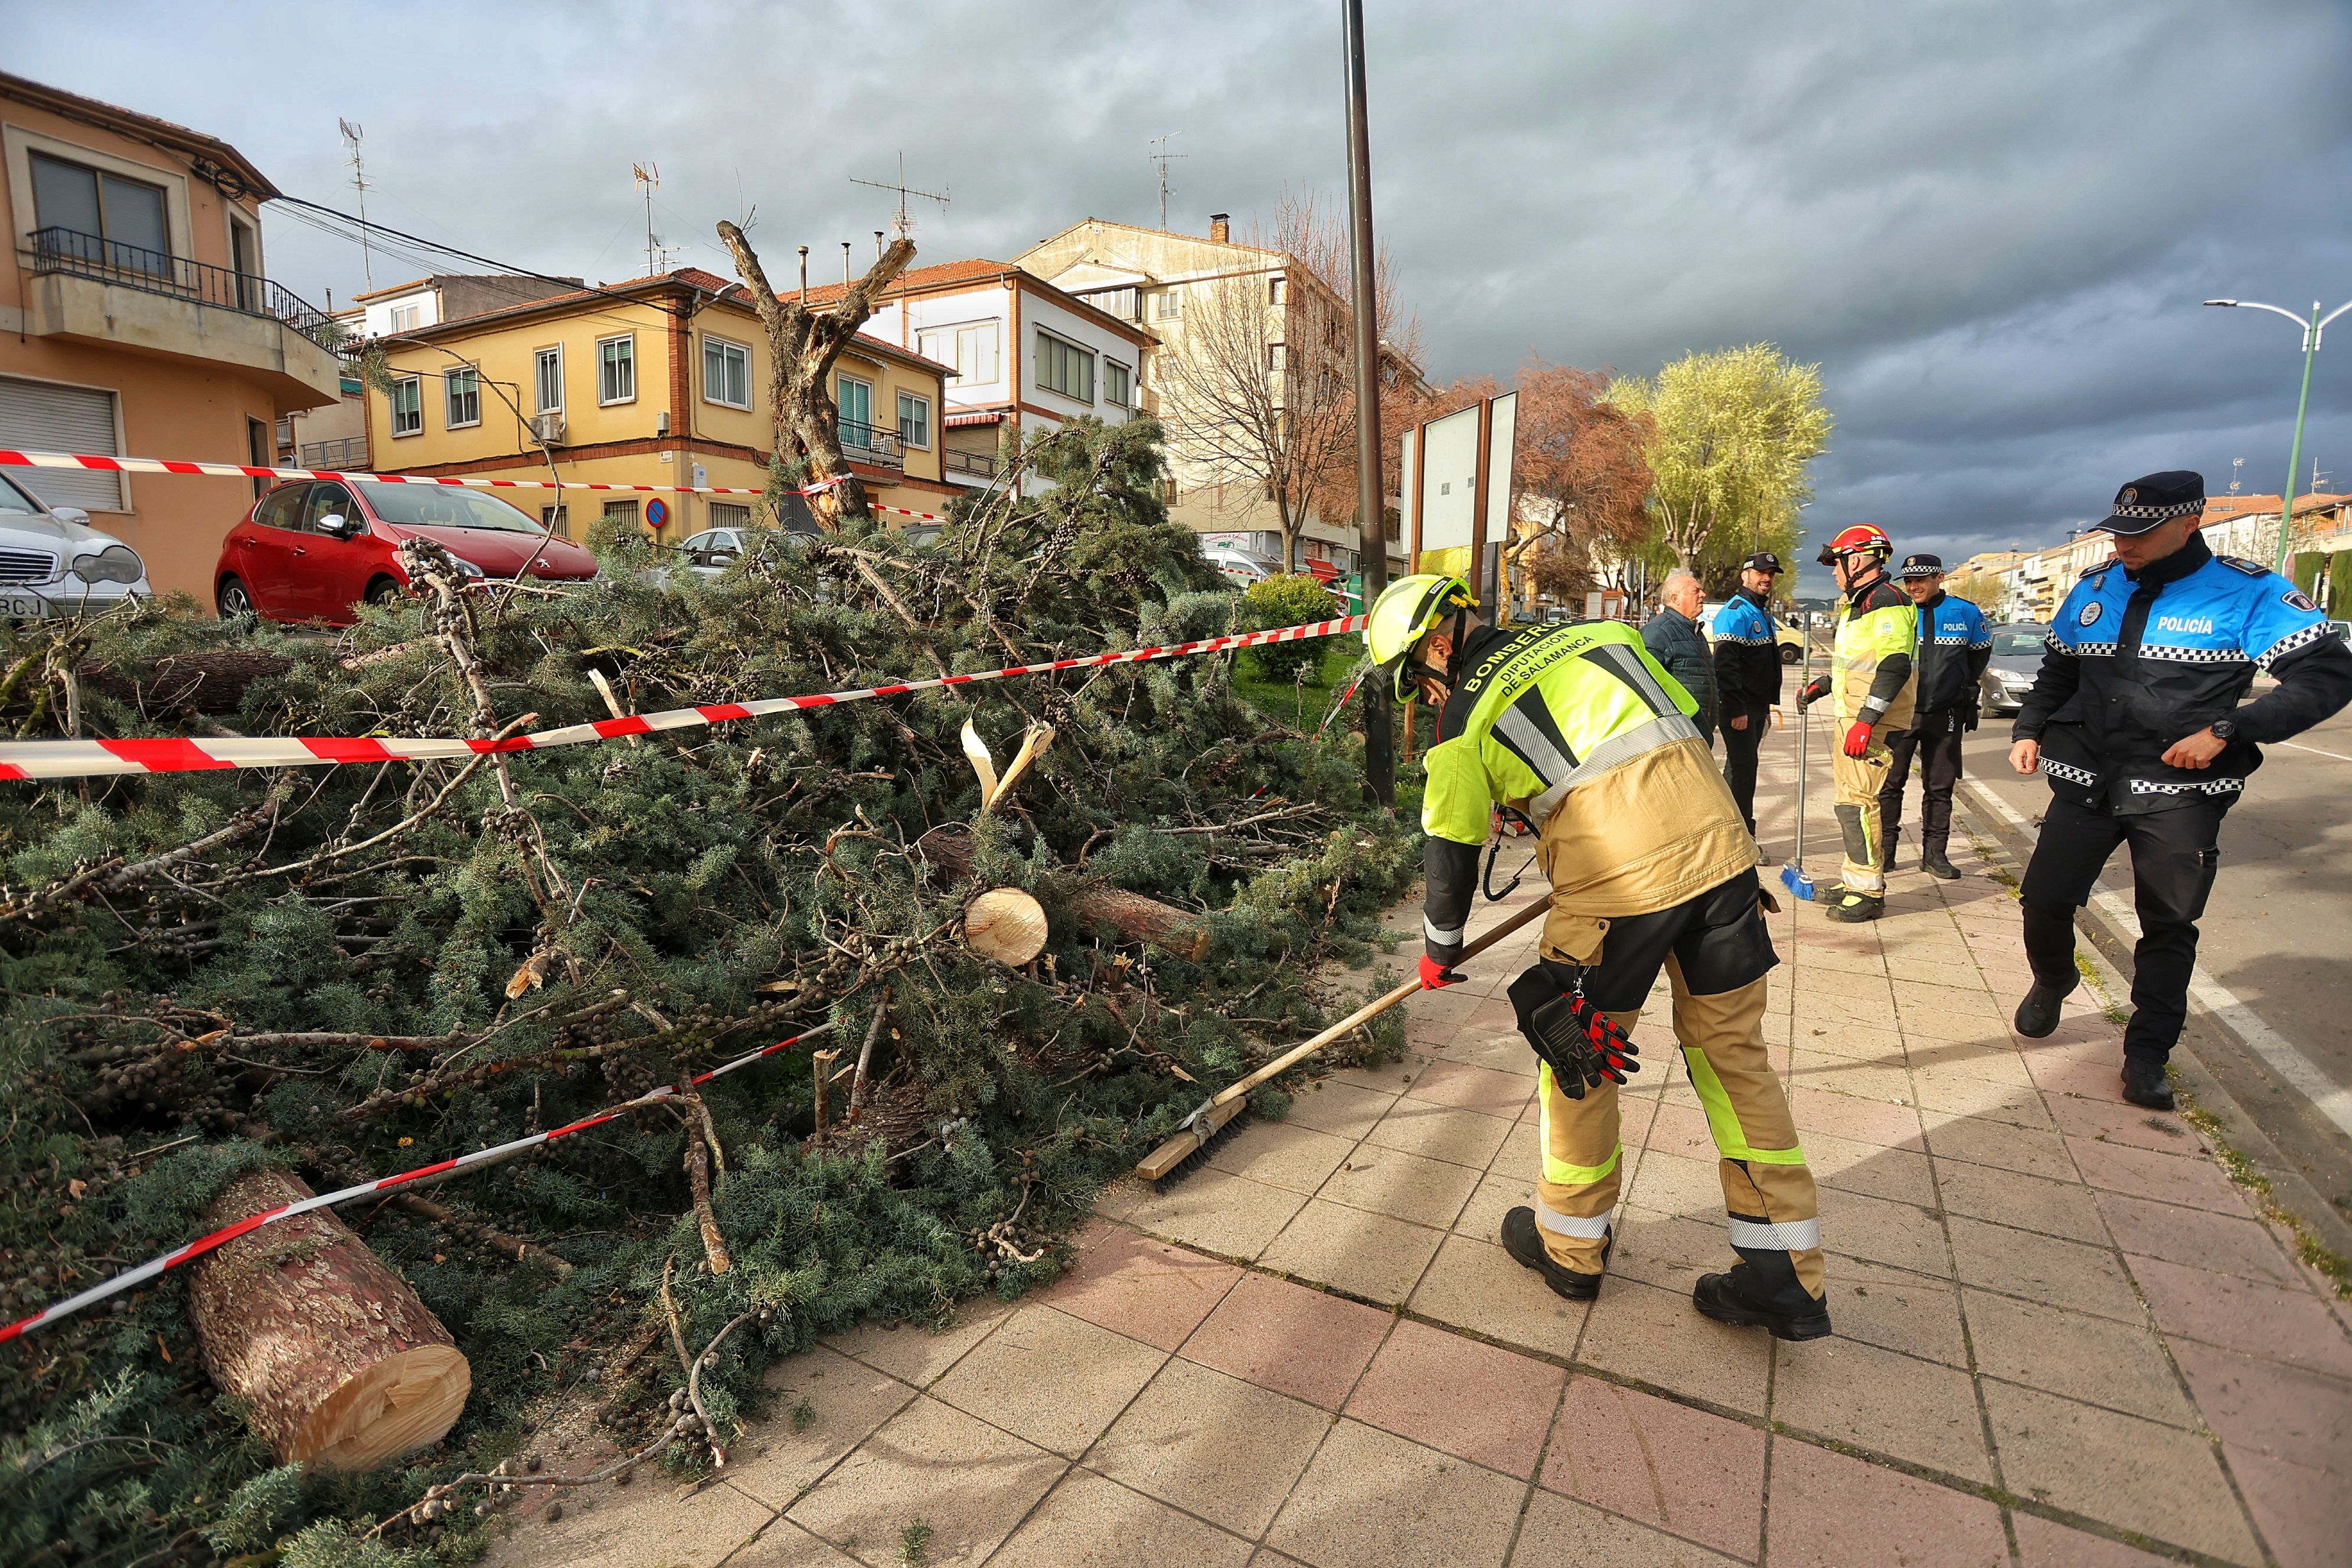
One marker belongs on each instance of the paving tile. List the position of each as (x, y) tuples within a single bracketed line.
[(1343, 1110), (2096, 1360), (1282, 1154), (915, 1353), (1364, 1254), (1497, 1194), (1897, 1175), (845, 1400), (1118, 1199), (1055, 1380), (2044, 1269), (1919, 994), (1950, 1093), (1883, 1083), (1453, 1004), (1285, 1337), (1855, 1042), (1496, 1051), (2189, 1180), (1896, 1309), (2042, 1544), (1212, 1445), (2289, 1325), (1676, 1185), (969, 1482), (1977, 1027), (1372, 1500), (1866, 1120), (1899, 1234), (1390, 1077), (1997, 1144), (1680, 1129), (1658, 1338), (2241, 1246), (1954, 1062), (2119, 1469), (609, 1527), (1482, 1089), (1830, 1511), (1875, 1399), (2029, 1202), (1132, 1285), (784, 1545), (1696, 1475), (1440, 1133), (1401, 1186), (1476, 1285), (1218, 1211), (1522, 1148), (2055, 1073), (1089, 1523), (1557, 1532), (1670, 1250), (1474, 1401), (2300, 1511), (2275, 1411), (2127, 1124)]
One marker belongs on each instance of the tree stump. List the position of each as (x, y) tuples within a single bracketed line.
[(340, 1364), (1005, 924), (1135, 917)]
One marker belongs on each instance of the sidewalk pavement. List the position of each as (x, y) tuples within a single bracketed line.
[(2063, 1336)]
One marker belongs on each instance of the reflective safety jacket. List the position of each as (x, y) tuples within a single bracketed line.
[(1746, 655), (2137, 662), (1874, 658), (1954, 647), (1577, 727)]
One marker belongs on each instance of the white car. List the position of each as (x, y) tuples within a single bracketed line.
[(52, 562), (1243, 567)]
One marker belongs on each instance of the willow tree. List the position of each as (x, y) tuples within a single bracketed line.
[(1731, 434)]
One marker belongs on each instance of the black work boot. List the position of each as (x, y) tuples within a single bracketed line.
[(1756, 1294), (2049, 950), (2038, 1015), (1523, 1240), (1933, 861), (1846, 905), (2145, 1084)]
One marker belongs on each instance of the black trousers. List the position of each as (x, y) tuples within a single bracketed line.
[(1740, 757), (1938, 751), (1719, 938), (2174, 854)]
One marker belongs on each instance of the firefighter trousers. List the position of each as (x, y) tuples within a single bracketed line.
[(1716, 950), (1861, 820)]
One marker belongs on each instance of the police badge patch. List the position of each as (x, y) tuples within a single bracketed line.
[(2295, 599), (2090, 615)]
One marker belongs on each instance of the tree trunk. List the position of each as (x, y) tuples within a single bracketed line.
[(1133, 916), (337, 1361), (182, 683)]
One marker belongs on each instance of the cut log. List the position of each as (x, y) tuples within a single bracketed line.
[(1005, 924), (1135, 917), (210, 680), (339, 1363)]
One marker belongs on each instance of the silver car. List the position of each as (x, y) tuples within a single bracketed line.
[(52, 562), (2017, 649)]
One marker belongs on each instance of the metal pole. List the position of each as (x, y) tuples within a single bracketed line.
[(2295, 455), (1804, 724), (1379, 754)]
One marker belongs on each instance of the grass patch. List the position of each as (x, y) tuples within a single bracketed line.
[(1301, 704), (2308, 1246)]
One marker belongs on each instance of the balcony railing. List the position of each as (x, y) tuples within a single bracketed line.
[(75, 255), (344, 453), (872, 443), (979, 465)]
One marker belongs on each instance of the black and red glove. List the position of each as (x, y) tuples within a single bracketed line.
[(1435, 976), (1581, 1047), (1814, 693), (1857, 738)]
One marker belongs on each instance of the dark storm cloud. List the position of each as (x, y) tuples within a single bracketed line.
[(1991, 225)]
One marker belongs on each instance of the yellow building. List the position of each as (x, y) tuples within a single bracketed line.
[(139, 321), (659, 381)]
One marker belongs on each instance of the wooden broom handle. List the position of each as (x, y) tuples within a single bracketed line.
[(1372, 1010)]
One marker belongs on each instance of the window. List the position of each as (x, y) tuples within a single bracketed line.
[(726, 515), (107, 218), (1171, 305), (408, 318), (1119, 302), (463, 391), (1118, 384), (971, 349), (856, 401), (407, 407), (1274, 290), (726, 373), (620, 514), (326, 501), (616, 369), (1064, 368), (556, 520), (914, 419), (1273, 357), (547, 376), (282, 508)]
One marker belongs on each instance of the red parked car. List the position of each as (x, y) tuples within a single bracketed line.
[(311, 550)]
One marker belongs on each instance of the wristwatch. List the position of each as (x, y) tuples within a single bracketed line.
[(2225, 729)]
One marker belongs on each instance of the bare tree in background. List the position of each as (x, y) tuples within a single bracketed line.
[(1259, 391), (1578, 477), (802, 345)]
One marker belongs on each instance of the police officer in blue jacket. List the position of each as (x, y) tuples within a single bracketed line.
[(2135, 720), (1955, 646)]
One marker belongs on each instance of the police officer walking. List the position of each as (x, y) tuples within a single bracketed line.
[(1746, 675), (2135, 720), (1955, 646), (1873, 678)]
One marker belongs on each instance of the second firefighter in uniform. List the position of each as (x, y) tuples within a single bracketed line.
[(1873, 677)]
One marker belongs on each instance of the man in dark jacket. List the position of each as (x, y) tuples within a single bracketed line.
[(1746, 675), (1672, 636), (1955, 646)]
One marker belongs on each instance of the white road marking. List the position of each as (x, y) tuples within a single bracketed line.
[(2300, 1071), (2314, 751)]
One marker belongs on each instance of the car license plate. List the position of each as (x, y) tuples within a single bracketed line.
[(23, 607)]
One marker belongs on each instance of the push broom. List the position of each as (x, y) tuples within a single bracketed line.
[(1221, 1114), (1793, 875)]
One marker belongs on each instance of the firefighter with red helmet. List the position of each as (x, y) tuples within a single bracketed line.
[(1873, 675)]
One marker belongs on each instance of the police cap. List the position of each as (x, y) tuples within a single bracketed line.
[(1923, 566), (1762, 561), (2145, 503)]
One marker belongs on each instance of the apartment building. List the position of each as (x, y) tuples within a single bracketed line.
[(140, 319)]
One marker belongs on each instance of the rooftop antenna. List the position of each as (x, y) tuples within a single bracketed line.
[(657, 255), (902, 224), (352, 134), (1163, 157), (2236, 479)]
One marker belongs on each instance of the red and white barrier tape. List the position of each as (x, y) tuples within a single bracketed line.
[(94, 463), (226, 1234), (91, 758)]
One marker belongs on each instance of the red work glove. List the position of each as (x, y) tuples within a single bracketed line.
[(1435, 976), (1814, 692), (1857, 739)]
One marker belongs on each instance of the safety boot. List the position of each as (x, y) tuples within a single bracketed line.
[(2037, 1016), (1763, 1295), (1524, 1241), (1933, 861), (1852, 907), (2145, 1084)]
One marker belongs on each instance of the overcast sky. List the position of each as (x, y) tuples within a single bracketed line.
[(1991, 225)]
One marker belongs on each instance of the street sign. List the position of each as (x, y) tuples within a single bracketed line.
[(656, 512), (1449, 466)]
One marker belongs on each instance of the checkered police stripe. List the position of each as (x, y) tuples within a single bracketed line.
[(2069, 772), (2293, 641), (2169, 509), (2187, 786)]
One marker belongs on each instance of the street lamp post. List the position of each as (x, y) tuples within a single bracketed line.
[(2312, 328), (1371, 512)]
